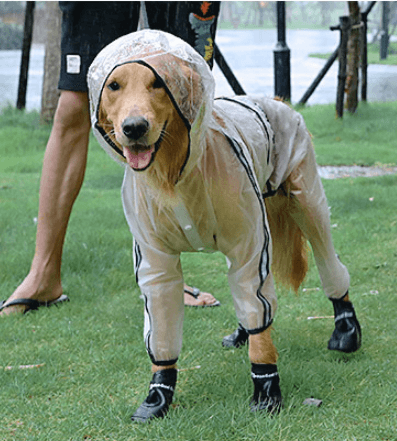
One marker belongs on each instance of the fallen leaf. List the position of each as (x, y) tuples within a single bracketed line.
[(312, 402)]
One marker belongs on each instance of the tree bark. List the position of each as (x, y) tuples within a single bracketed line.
[(52, 63), (353, 58)]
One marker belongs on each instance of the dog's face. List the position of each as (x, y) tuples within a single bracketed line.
[(136, 113)]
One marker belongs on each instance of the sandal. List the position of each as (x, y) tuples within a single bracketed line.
[(33, 305), (196, 294)]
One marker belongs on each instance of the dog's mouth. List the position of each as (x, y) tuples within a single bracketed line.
[(140, 156)]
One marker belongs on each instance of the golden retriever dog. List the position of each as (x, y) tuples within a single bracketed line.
[(236, 175)]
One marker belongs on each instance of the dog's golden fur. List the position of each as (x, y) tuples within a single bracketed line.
[(138, 94), (290, 251)]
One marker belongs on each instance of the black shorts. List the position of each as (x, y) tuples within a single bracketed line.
[(87, 27)]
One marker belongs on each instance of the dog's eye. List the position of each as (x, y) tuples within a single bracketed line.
[(114, 85), (158, 84)]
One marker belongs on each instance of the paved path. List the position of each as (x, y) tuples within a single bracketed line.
[(354, 171), (250, 54)]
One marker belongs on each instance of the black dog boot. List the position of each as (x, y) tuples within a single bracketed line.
[(347, 333), (160, 396), (267, 393), (238, 338)]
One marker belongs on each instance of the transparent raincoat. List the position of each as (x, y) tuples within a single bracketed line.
[(241, 148)]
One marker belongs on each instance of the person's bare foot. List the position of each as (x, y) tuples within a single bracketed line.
[(194, 297), (30, 289)]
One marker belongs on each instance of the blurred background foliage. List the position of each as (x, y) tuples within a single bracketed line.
[(234, 15)]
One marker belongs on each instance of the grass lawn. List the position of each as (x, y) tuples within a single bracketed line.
[(373, 54), (95, 370)]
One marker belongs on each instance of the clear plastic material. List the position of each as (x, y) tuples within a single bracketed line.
[(174, 60), (241, 148)]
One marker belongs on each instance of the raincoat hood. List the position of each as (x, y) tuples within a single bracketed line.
[(185, 74)]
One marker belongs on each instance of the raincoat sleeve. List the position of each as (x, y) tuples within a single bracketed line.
[(251, 283), (159, 276)]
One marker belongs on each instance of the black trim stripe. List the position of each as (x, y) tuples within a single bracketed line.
[(138, 259), (257, 113), (265, 250), (269, 192), (149, 333)]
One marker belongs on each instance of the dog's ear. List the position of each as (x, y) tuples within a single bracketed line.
[(193, 80), (191, 92), (102, 117), (106, 125)]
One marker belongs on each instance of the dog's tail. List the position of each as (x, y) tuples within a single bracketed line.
[(290, 249)]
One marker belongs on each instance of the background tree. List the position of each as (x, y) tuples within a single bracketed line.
[(353, 58), (52, 62)]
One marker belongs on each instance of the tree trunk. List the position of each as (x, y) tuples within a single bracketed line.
[(353, 58), (26, 45), (52, 63)]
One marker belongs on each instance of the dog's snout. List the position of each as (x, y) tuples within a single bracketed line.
[(135, 127)]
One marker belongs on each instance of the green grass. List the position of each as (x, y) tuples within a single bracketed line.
[(373, 54), (364, 138), (96, 370)]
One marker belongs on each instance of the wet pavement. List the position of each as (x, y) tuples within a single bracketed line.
[(250, 55), (354, 171)]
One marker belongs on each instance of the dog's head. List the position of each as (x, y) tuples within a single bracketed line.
[(151, 97), (137, 114)]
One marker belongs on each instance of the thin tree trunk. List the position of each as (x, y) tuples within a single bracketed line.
[(50, 93), (26, 45), (353, 58)]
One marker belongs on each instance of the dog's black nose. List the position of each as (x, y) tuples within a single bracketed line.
[(135, 127)]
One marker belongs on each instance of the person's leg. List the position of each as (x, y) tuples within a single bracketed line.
[(86, 28), (62, 175)]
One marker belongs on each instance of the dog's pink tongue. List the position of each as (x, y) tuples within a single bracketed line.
[(138, 161)]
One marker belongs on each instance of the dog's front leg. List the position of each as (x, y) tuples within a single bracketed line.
[(263, 357), (160, 279), (161, 392)]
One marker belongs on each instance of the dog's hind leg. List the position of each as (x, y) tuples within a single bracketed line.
[(263, 356), (310, 210)]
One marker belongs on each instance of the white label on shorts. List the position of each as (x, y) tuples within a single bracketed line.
[(73, 63)]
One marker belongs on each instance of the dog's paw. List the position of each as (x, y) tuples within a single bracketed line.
[(347, 333), (267, 393), (160, 396), (238, 338)]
